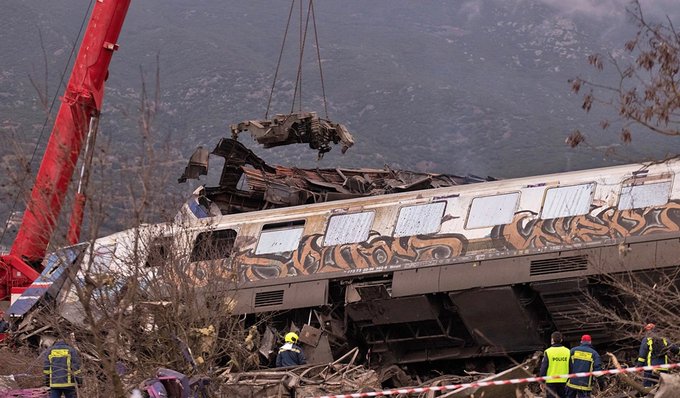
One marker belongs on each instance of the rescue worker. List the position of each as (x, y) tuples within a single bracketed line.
[(290, 354), (62, 370), (583, 359), (4, 325), (654, 350), (555, 362)]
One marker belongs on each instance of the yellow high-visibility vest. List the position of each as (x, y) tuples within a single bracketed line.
[(558, 363)]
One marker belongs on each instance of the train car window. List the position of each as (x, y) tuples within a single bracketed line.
[(567, 201), (646, 195), (284, 238), (160, 250), (419, 219), (284, 224), (348, 228), (487, 211), (213, 245)]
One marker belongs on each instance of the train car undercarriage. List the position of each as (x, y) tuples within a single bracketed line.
[(466, 328)]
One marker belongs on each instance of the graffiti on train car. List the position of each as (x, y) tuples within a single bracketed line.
[(312, 257), (527, 231)]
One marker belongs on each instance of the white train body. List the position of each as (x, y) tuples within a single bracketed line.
[(468, 270)]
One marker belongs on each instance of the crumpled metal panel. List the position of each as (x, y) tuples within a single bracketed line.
[(247, 183), (296, 128), (49, 283), (198, 165)]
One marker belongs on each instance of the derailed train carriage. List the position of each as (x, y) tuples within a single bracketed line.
[(479, 269), (414, 268)]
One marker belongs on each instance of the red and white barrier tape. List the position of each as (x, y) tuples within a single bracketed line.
[(415, 390)]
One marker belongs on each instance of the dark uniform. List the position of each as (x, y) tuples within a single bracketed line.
[(290, 354), (4, 325), (583, 359), (654, 351), (555, 362), (62, 370)]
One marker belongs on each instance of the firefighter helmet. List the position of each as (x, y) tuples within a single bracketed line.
[(291, 337)]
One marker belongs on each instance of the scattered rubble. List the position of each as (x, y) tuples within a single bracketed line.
[(305, 381), (346, 375)]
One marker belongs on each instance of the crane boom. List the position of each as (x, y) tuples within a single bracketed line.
[(81, 102)]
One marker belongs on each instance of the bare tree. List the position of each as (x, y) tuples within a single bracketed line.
[(646, 93), (156, 295)]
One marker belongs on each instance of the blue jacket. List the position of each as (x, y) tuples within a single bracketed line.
[(654, 351), (583, 359), (61, 366), (290, 355)]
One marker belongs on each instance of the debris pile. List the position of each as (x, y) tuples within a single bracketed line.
[(305, 381), (343, 376), (296, 128), (247, 183), (346, 375)]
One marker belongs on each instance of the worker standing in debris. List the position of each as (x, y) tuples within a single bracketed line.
[(555, 362), (582, 359), (290, 354), (654, 350), (4, 325), (62, 370)]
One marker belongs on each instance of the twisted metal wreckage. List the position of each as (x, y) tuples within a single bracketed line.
[(410, 267), (247, 183), (405, 281)]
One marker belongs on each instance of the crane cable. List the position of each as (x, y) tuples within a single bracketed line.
[(297, 95), (318, 57), (47, 118), (303, 39), (278, 63)]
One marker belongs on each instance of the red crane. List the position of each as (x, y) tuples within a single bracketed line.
[(78, 115)]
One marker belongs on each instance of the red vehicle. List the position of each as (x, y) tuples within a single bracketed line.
[(75, 126)]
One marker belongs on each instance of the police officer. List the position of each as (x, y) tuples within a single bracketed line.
[(62, 370), (555, 362), (290, 354), (654, 350), (583, 359)]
